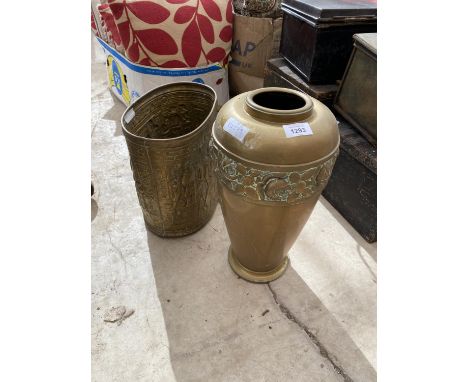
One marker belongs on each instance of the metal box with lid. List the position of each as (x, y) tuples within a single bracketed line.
[(352, 188), (317, 37), (356, 99)]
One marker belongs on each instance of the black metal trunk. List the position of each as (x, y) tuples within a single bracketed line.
[(317, 37), (352, 188)]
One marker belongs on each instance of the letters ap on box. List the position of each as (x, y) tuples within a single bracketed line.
[(249, 47)]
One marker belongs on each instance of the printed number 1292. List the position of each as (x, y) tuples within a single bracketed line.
[(297, 130)]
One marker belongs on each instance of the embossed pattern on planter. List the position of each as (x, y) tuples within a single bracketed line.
[(171, 115), (174, 178), (261, 185)]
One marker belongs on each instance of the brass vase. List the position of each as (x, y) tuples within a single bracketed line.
[(167, 132), (274, 150)]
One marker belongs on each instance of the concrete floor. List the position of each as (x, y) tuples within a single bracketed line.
[(185, 316)]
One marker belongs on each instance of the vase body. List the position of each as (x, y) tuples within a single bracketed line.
[(269, 180), (167, 131)]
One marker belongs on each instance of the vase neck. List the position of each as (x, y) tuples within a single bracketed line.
[(279, 105)]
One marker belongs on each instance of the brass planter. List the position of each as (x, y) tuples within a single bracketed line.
[(167, 132), (268, 184)]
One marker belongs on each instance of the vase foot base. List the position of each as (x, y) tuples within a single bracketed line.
[(256, 277)]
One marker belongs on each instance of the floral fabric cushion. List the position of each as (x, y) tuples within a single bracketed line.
[(113, 34), (174, 33), (94, 25)]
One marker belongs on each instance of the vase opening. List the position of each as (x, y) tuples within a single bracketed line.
[(278, 100), (173, 116)]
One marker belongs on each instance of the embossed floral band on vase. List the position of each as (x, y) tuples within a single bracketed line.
[(274, 149), (167, 132)]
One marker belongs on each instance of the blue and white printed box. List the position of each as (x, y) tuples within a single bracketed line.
[(128, 81)]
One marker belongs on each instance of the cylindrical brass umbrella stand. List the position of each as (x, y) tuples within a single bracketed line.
[(274, 149), (167, 131)]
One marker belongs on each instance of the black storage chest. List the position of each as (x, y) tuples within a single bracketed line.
[(352, 188), (317, 37)]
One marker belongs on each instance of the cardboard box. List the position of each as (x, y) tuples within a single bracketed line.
[(128, 81), (255, 41)]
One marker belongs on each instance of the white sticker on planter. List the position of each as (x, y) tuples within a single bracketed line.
[(297, 129), (129, 116), (236, 129)]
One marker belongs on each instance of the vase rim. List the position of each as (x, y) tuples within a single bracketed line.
[(164, 89), (303, 109)]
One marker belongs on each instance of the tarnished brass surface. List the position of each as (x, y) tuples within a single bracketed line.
[(167, 132), (268, 184), (286, 186), (257, 277)]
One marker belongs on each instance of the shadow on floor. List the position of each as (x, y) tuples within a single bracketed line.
[(371, 248), (115, 114), (94, 209), (221, 327)]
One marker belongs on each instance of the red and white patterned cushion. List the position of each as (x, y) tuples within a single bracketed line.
[(174, 33), (113, 34), (94, 27), (107, 35)]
